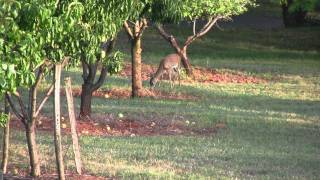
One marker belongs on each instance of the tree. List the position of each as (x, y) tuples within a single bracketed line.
[(143, 12), (94, 42), (294, 12), (203, 13), (134, 26), (33, 37), (17, 46)]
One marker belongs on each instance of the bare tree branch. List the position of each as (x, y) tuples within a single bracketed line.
[(143, 24), (22, 106), (85, 70), (203, 31), (128, 29), (49, 92), (170, 38), (101, 79), (14, 109)]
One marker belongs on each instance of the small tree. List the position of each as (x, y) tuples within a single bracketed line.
[(294, 12), (134, 26), (207, 12), (143, 12), (94, 38), (30, 31)]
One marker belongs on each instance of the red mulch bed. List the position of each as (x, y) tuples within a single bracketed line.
[(120, 93), (200, 74), (109, 125)]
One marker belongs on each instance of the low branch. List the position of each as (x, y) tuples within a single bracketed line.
[(85, 70), (92, 72), (22, 106), (101, 79), (49, 92), (14, 109), (143, 24), (39, 76), (128, 30)]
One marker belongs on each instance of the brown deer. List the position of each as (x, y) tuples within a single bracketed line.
[(170, 65)]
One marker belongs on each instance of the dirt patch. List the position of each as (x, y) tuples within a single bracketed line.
[(111, 125), (202, 75), (121, 93)]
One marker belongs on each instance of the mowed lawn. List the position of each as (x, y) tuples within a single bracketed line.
[(272, 129)]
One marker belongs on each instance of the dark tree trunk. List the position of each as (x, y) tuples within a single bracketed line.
[(86, 98), (32, 147), (136, 67), (89, 72), (31, 128), (6, 132), (295, 18)]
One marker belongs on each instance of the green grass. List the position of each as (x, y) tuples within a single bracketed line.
[(273, 129)]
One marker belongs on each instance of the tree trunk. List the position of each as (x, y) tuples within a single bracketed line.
[(6, 133), (136, 67), (295, 18), (86, 98), (185, 61), (31, 132), (32, 147)]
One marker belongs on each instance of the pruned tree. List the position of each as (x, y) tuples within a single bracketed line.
[(203, 14), (32, 38), (143, 13), (134, 27), (94, 40)]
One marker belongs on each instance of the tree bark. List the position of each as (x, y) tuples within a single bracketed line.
[(86, 98), (185, 61), (32, 147), (6, 134), (89, 72), (136, 67)]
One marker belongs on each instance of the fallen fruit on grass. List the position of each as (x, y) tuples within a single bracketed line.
[(107, 96), (108, 128), (63, 125), (120, 115), (85, 132)]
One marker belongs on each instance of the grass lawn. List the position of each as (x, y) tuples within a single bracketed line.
[(273, 128)]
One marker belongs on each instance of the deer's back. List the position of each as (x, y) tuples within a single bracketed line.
[(172, 60)]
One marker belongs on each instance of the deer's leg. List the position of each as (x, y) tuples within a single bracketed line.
[(179, 78), (170, 78)]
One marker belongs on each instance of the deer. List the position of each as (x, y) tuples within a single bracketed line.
[(170, 65)]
